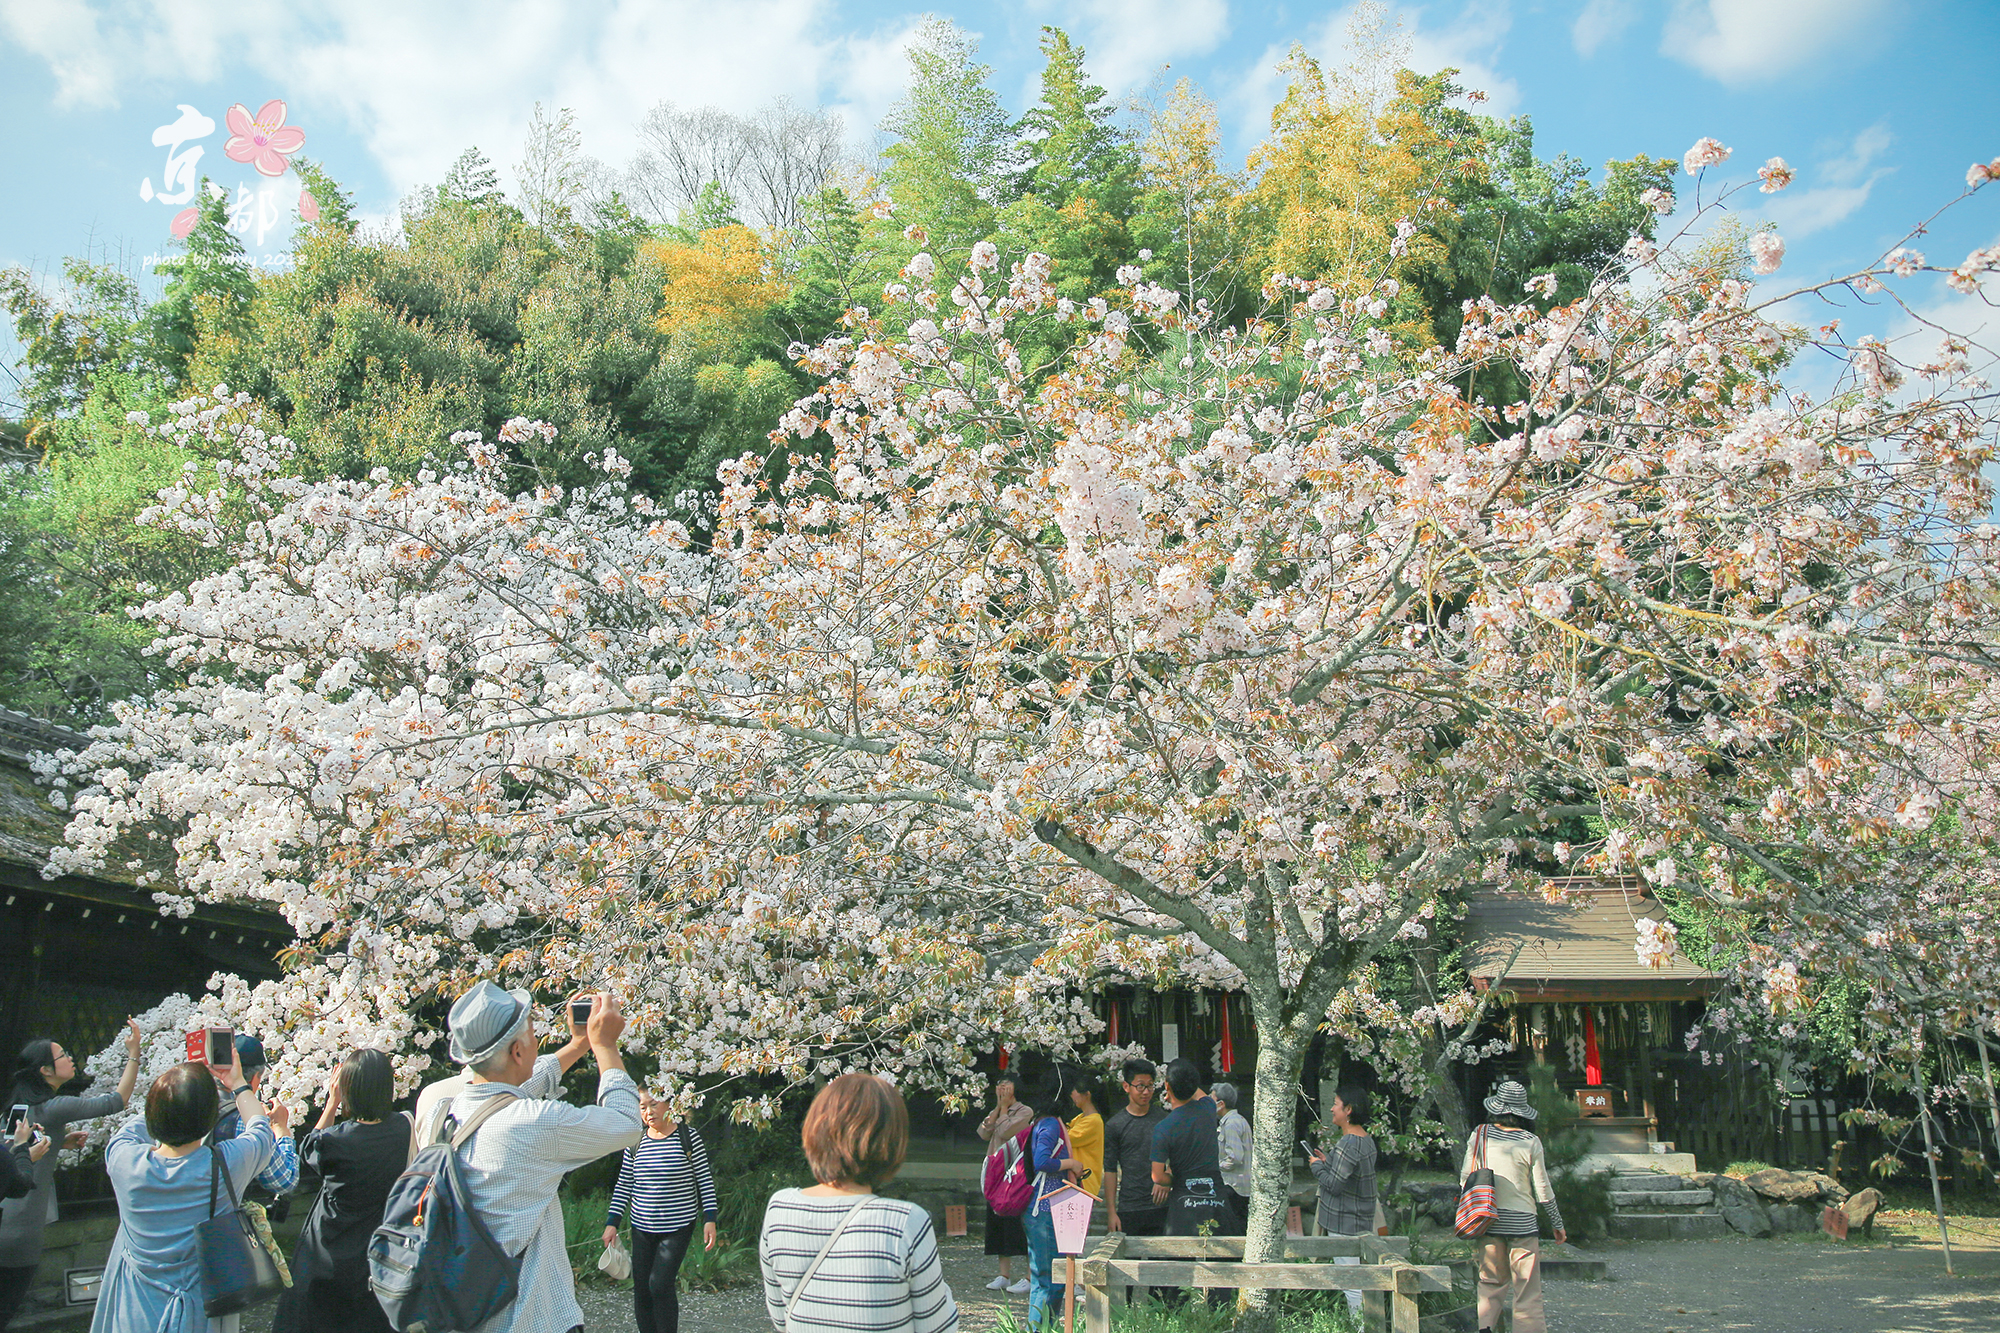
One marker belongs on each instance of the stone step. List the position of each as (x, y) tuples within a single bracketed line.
[(1648, 1180), (1666, 1226), (1566, 1263), (1661, 1201)]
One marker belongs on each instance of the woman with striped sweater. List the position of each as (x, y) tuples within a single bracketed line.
[(1510, 1253), (663, 1183)]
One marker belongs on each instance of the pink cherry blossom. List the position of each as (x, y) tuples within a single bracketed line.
[(264, 142), (1776, 175), (1767, 248), (184, 223), (1705, 153), (308, 206), (1979, 173), (1660, 201)]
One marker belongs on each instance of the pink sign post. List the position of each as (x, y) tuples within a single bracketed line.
[(1069, 1208)]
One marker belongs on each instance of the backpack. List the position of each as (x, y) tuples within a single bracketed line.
[(1008, 1184), (433, 1264)]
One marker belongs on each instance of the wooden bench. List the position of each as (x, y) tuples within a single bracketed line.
[(1388, 1281)]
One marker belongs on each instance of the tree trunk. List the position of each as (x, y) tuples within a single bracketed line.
[(1280, 1058)]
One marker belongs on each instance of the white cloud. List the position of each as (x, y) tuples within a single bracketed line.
[(1749, 41), (1601, 21), (64, 34), (419, 82), (1469, 39), (1850, 177), (1128, 40)]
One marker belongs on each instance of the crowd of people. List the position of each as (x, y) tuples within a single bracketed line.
[(836, 1256)]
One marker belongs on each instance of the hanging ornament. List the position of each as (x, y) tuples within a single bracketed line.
[(1003, 1059), (1112, 1032), (1226, 1054), (1593, 1064)]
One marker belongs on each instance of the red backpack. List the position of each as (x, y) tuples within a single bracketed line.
[(1008, 1184)]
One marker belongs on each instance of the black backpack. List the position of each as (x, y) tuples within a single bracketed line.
[(432, 1263)]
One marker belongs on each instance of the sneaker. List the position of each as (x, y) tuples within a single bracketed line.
[(997, 1284), (1019, 1288)]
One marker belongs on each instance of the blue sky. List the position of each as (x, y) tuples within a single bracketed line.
[(1879, 105)]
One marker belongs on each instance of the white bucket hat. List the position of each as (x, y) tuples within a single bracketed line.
[(1510, 1098)]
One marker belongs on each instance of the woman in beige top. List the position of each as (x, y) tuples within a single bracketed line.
[(1006, 1237), (1510, 1253)]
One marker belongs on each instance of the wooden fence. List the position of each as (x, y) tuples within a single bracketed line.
[(1388, 1281)]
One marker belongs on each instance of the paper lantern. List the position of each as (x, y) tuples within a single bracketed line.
[(1069, 1208)]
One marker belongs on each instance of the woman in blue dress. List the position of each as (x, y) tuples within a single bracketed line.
[(160, 1173)]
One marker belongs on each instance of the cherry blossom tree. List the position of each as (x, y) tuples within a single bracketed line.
[(1212, 656)]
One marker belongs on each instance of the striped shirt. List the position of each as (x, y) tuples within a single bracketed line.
[(882, 1275), (659, 1190), (1520, 1180)]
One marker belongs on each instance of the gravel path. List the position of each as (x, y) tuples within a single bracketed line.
[(1797, 1284)]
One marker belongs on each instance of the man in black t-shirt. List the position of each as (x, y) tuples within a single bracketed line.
[(1128, 1157), (1187, 1164)]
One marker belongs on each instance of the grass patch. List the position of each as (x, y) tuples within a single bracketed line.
[(1745, 1168), (732, 1263)]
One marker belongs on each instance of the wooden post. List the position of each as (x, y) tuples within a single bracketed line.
[(1069, 1295), (1403, 1301), (1097, 1284), (1930, 1160)]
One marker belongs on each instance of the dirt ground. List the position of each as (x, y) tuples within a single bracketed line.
[(1797, 1284)]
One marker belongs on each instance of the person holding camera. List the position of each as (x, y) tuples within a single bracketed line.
[(282, 1172), (163, 1171), (358, 1148), (25, 1147), (516, 1159), (43, 1069)]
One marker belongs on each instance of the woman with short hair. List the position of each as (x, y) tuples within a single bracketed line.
[(1346, 1175), (838, 1257), (358, 1148), (163, 1172), (39, 1075), (1510, 1253)]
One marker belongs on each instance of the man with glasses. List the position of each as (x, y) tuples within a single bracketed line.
[(1128, 1157)]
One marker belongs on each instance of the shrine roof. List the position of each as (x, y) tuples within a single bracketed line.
[(1578, 947)]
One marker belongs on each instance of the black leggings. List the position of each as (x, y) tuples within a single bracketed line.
[(14, 1284), (656, 1273)]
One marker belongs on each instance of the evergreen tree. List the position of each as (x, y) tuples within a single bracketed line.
[(946, 164), (209, 282), (471, 180), (1069, 147)]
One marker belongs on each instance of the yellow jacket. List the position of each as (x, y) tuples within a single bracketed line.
[(1086, 1145)]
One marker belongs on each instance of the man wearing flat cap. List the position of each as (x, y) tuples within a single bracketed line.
[(519, 1155)]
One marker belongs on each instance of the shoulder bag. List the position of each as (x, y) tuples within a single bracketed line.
[(813, 1267), (1477, 1209), (237, 1272)]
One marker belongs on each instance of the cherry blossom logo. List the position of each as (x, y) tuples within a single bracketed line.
[(263, 142), (266, 142)]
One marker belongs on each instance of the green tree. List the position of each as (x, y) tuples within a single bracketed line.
[(947, 162), (1076, 180), (1518, 216), (209, 285)]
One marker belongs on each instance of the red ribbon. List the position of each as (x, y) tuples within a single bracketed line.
[(1228, 1055), (1003, 1059), (1114, 1019), (1593, 1067)]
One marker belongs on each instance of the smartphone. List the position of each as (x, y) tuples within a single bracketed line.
[(221, 1046), (1306, 1147), (20, 1111), (579, 1011)]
